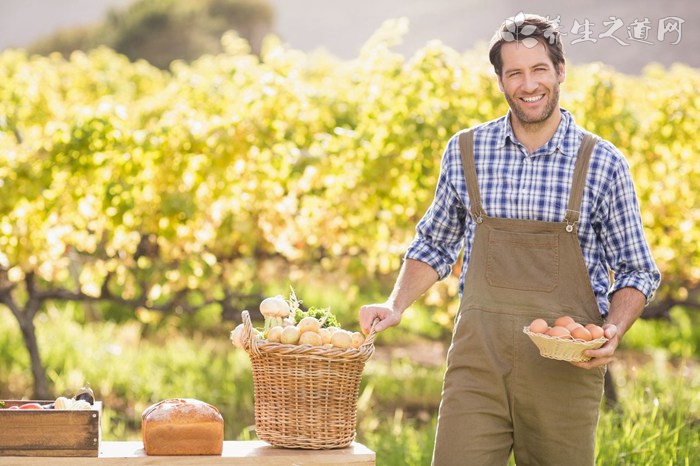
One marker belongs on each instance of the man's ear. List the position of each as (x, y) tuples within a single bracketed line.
[(562, 72), (500, 83)]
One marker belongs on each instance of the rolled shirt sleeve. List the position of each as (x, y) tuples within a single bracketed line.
[(440, 233), (626, 250)]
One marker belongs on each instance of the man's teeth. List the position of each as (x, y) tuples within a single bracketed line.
[(533, 99)]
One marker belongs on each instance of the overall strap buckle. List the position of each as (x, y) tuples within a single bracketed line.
[(571, 219), (579, 180)]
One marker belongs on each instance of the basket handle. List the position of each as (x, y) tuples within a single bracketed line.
[(248, 337), (372, 333)]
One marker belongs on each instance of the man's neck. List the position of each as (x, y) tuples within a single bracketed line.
[(535, 135)]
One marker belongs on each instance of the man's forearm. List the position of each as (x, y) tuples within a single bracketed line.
[(626, 307), (415, 278)]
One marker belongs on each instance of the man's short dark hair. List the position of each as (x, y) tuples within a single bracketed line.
[(545, 32)]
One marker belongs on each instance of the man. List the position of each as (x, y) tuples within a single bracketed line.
[(544, 214)]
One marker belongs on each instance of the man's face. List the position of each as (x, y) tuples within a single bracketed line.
[(530, 82)]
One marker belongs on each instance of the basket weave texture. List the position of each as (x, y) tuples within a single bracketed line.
[(563, 349), (305, 396)]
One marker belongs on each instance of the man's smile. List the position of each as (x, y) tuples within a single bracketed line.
[(533, 98)]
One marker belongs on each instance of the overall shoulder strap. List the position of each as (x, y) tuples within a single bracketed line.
[(466, 150), (573, 210)]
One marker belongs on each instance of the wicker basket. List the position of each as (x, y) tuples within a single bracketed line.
[(305, 396), (563, 349)]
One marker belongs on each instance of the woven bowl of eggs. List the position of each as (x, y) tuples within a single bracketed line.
[(566, 340)]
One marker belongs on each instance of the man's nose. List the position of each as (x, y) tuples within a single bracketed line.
[(529, 83)]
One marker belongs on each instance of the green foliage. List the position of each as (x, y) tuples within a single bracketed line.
[(128, 371), (399, 440), (322, 314), (680, 335), (161, 31), (654, 424), (124, 179), (235, 175), (388, 382)]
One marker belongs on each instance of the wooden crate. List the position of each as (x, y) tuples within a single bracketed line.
[(49, 432)]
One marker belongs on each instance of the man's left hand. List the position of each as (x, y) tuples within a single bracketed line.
[(604, 354)]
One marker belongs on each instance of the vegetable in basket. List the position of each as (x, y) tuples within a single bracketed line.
[(274, 309), (323, 315), (287, 323)]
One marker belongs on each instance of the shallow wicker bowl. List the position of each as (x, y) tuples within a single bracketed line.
[(561, 348)]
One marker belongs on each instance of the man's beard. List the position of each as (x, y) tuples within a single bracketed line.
[(536, 120)]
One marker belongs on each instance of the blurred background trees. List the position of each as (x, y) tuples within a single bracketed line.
[(160, 31), (223, 166)]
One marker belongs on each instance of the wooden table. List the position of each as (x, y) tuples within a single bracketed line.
[(255, 453)]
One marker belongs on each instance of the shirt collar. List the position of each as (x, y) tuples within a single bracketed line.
[(557, 142)]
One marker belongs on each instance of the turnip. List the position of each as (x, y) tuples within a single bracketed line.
[(310, 338), (274, 309), (341, 339), (325, 335), (357, 339), (309, 324), (274, 335), (290, 335)]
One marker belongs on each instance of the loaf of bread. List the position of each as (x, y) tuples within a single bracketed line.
[(182, 426)]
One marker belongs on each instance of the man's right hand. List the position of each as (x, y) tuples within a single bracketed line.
[(387, 316), (415, 277)]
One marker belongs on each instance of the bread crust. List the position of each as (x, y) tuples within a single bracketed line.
[(182, 426)]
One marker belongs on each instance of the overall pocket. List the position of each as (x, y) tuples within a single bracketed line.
[(523, 261)]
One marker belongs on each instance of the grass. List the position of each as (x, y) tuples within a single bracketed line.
[(657, 420)]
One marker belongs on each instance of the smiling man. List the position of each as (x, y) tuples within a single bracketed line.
[(544, 211)]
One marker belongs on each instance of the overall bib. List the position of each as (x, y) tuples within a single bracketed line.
[(499, 395)]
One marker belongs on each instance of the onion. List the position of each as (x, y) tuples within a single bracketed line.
[(237, 336), (63, 403)]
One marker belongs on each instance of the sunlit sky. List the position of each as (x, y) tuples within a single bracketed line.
[(342, 27)]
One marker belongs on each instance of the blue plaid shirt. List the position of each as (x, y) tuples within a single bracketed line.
[(517, 185)]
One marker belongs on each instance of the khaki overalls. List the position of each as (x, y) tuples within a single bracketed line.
[(499, 395)]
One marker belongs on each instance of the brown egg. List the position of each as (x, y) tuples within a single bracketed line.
[(581, 333), (596, 331), (539, 326), (563, 321), (559, 331), (573, 326)]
